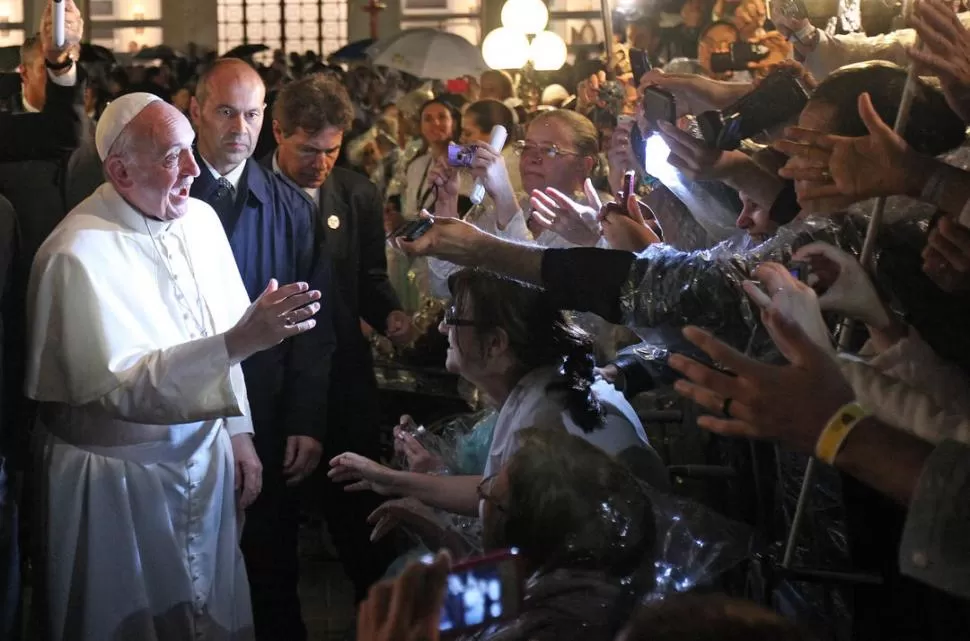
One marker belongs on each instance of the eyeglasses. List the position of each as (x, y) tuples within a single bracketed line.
[(451, 318), (530, 149), (484, 491)]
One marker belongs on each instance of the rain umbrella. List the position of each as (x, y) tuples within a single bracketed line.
[(160, 52), (96, 53), (428, 53), (354, 51), (245, 51)]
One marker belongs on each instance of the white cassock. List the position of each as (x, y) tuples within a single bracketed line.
[(136, 503)]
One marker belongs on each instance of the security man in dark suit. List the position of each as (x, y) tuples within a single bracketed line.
[(309, 120), (269, 224)]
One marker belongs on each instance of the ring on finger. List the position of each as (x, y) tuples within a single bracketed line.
[(726, 407)]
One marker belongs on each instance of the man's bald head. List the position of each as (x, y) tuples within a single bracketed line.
[(227, 112), (150, 162), (226, 71)]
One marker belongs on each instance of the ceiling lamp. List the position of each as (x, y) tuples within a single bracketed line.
[(548, 51), (505, 48), (527, 16)]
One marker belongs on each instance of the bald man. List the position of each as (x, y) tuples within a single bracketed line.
[(138, 324), (269, 222)]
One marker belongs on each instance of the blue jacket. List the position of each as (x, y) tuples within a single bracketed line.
[(271, 232)]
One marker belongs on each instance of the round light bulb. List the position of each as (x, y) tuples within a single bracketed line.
[(505, 48), (548, 51), (527, 16)]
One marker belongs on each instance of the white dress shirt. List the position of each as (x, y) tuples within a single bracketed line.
[(233, 176)]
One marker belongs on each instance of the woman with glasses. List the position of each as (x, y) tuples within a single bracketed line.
[(519, 350)]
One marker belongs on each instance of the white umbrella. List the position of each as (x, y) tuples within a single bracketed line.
[(428, 53)]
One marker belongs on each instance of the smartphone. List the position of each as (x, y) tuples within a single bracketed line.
[(482, 591), (629, 187), (659, 105), (413, 229), (739, 57), (640, 63), (799, 271)]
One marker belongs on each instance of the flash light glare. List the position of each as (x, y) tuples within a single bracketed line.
[(655, 156)]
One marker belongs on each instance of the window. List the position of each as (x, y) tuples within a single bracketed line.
[(291, 25), (11, 23)]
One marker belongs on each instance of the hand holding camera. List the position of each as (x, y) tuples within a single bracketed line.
[(444, 177), (794, 299), (843, 285)]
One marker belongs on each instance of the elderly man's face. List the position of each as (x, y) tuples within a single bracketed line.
[(161, 167)]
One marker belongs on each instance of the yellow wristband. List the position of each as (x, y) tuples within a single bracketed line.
[(832, 438)]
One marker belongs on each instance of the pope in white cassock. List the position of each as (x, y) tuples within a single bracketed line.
[(138, 321)]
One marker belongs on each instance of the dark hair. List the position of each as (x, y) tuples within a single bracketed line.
[(313, 103), (455, 116), (570, 504), (539, 335), (718, 23), (932, 129), (488, 113), (709, 618)]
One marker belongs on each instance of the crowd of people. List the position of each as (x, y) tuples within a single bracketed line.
[(201, 258)]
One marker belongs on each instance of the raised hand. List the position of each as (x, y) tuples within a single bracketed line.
[(405, 444), (788, 403), (278, 313), (843, 285), (73, 32), (557, 212), (945, 53), (361, 474), (407, 608), (794, 299), (879, 164), (445, 178), (448, 239)]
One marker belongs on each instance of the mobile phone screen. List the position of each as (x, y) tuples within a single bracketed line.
[(481, 592)]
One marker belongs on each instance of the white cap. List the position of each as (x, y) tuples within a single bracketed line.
[(116, 117)]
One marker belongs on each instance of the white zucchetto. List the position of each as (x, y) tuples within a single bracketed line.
[(116, 117)]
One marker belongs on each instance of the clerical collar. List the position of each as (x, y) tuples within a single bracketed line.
[(233, 176), (312, 192)]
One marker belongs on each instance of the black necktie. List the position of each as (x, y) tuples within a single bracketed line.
[(224, 199)]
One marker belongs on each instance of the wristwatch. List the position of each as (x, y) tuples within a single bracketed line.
[(59, 66)]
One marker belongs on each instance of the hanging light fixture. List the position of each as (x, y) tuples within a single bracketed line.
[(548, 51), (505, 48), (527, 16)]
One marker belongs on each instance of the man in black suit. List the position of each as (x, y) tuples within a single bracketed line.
[(269, 223), (309, 120)]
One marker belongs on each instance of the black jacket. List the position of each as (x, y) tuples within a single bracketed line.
[(350, 222)]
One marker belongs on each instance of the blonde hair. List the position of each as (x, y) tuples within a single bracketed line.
[(585, 134)]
